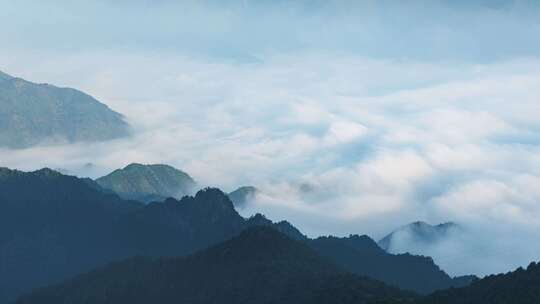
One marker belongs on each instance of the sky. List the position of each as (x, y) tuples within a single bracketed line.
[(352, 117)]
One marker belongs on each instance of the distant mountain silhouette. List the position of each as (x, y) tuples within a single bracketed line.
[(259, 266), (519, 287), (420, 238), (148, 183), (416, 234), (54, 226), (284, 227), (243, 196), (362, 256), (32, 113)]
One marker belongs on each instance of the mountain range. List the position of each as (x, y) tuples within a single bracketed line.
[(259, 266), (148, 183), (262, 265), (156, 182), (518, 287), (54, 226), (362, 256), (32, 114)]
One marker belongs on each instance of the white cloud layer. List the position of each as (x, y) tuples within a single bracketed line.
[(331, 153), (340, 140)]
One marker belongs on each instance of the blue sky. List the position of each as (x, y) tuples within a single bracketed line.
[(389, 112), (425, 30)]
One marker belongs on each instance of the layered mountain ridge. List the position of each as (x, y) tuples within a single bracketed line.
[(73, 225), (361, 255), (516, 287), (261, 265)]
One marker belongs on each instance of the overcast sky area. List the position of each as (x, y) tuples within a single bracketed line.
[(350, 116)]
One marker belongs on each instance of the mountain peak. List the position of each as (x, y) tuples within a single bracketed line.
[(72, 116), (139, 166), (210, 191), (134, 166), (6, 172), (423, 227), (418, 232), (283, 226), (290, 230), (361, 238), (247, 189), (47, 172), (243, 196), (214, 195), (258, 217), (261, 244), (422, 224), (148, 183)]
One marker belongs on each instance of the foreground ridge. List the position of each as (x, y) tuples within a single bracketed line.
[(261, 265), (73, 225)]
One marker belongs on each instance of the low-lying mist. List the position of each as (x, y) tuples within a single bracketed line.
[(358, 132)]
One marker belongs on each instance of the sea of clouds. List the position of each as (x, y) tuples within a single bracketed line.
[(340, 137)]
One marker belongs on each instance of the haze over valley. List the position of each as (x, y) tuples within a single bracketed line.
[(371, 139)]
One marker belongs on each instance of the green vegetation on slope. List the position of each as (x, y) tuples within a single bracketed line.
[(147, 183)]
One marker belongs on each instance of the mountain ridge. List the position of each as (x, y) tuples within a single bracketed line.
[(243, 196), (260, 265), (73, 225), (515, 287), (33, 114), (419, 232), (362, 256)]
